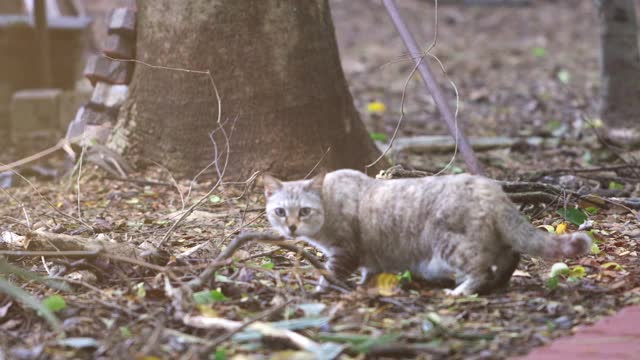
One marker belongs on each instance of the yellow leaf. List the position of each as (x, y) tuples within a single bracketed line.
[(561, 228), (206, 310), (376, 107), (595, 249), (611, 266), (387, 284), (577, 271)]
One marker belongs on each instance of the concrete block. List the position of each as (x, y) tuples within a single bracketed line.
[(122, 21), (109, 96), (70, 102), (100, 68), (5, 95), (119, 47), (5, 102), (34, 110), (86, 120)]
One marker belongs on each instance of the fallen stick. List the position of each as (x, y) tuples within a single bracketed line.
[(273, 239), (440, 144), (266, 330)]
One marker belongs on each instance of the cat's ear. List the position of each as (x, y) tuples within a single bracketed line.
[(316, 183), (271, 184)]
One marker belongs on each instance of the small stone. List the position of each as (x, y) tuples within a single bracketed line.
[(119, 47), (563, 322), (86, 117), (122, 21), (109, 96), (100, 68)]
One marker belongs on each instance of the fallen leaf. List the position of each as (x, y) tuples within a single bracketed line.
[(558, 268), (79, 342), (573, 215), (376, 107), (561, 228), (54, 303), (577, 271), (387, 284), (611, 266), (549, 228), (520, 273)]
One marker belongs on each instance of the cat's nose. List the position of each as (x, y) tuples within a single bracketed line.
[(292, 228)]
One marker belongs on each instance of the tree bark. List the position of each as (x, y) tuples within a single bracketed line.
[(620, 66), (285, 100)]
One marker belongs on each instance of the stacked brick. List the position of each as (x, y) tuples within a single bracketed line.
[(110, 74)]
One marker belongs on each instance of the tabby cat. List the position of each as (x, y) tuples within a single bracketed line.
[(460, 227)]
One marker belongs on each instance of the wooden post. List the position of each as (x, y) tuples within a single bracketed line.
[(42, 43), (437, 94)]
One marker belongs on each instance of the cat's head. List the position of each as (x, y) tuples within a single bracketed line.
[(294, 208)]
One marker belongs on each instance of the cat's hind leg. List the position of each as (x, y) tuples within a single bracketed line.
[(482, 265)]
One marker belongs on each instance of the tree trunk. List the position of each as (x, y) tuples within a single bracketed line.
[(620, 66), (285, 100)]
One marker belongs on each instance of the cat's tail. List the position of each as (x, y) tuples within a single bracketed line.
[(526, 239)]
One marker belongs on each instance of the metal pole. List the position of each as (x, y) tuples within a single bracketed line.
[(431, 84), (42, 42)]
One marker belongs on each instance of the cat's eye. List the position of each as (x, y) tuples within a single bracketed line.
[(305, 211), (280, 212)]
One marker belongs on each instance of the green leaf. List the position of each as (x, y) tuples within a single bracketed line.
[(552, 283), (456, 170), (577, 271), (268, 265), (214, 199), (564, 76), (573, 279), (220, 354), (406, 276), (379, 136), (54, 303), (573, 215), (125, 332), (595, 249), (592, 210), (209, 296), (615, 186), (539, 51), (553, 125), (587, 157), (17, 293)]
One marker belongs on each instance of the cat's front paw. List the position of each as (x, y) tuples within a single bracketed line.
[(456, 292)]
